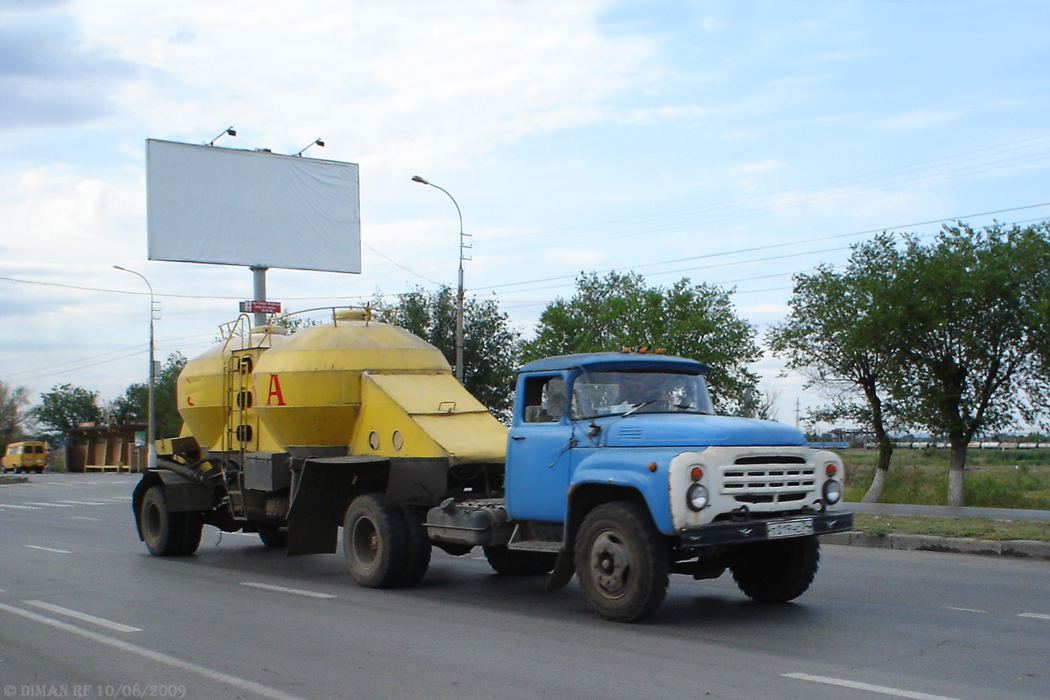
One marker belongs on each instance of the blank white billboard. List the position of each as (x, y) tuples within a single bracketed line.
[(206, 204)]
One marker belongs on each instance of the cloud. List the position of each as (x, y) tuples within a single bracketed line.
[(757, 168), (393, 83), (918, 119), (48, 76)]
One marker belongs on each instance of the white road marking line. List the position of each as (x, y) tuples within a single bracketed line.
[(83, 617), (81, 517), (174, 662), (983, 612), (49, 549), (1035, 616), (282, 589), (12, 505), (881, 689), (50, 505), (85, 503)]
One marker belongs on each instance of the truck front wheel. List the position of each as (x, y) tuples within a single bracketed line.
[(622, 562), (778, 571), (375, 542)]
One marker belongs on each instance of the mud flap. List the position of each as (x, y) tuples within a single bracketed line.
[(321, 497), (563, 572)]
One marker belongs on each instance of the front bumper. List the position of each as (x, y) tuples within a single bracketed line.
[(760, 530)]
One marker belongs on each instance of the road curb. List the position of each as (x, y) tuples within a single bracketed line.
[(931, 543)]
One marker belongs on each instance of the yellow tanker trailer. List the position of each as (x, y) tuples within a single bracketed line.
[(353, 422)]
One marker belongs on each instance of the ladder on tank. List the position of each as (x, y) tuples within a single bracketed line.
[(237, 399)]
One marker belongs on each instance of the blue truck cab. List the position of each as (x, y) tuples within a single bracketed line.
[(619, 471)]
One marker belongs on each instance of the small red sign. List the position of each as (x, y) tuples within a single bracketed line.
[(260, 307)]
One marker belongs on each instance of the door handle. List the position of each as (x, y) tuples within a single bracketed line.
[(517, 437)]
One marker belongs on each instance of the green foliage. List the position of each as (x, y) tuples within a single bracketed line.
[(619, 310), (943, 338), (64, 407), (134, 404), (13, 416), (489, 344), (835, 336), (970, 323)]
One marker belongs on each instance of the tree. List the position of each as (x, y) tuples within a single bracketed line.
[(13, 416), (65, 407), (969, 333), (619, 310), (134, 404), (489, 344), (835, 336)]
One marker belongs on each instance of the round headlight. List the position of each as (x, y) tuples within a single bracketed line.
[(832, 492), (696, 497)]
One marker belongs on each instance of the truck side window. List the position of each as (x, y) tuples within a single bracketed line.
[(544, 399)]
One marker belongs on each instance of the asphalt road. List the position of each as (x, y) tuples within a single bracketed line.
[(85, 611)]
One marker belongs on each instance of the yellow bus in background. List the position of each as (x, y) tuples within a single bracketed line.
[(25, 457)]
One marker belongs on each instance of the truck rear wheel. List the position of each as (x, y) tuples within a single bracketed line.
[(419, 546), (780, 570), (273, 536), (622, 562), (165, 533), (374, 542), (193, 528), (513, 562)]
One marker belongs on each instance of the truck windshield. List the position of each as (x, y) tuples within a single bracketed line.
[(597, 394)]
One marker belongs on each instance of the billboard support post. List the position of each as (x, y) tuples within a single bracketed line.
[(259, 288)]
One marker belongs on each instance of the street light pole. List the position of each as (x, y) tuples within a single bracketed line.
[(151, 438), (460, 291)]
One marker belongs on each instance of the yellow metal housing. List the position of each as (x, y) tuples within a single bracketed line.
[(371, 387)]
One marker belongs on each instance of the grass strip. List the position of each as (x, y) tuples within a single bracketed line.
[(978, 528)]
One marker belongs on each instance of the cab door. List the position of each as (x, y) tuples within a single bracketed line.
[(539, 451)]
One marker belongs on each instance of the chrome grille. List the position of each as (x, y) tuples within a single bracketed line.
[(769, 479)]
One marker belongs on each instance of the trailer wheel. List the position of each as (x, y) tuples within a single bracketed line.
[(419, 547), (273, 536), (513, 562), (164, 532), (778, 571), (375, 542), (622, 562)]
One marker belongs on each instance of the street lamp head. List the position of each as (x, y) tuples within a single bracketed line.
[(118, 267), (315, 142), (230, 131), (417, 178)]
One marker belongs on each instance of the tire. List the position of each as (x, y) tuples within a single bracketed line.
[(273, 536), (419, 549), (374, 542), (39, 470), (513, 562), (622, 562), (193, 528), (163, 532), (456, 550), (778, 571)]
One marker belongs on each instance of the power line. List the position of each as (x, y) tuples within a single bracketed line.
[(772, 246)]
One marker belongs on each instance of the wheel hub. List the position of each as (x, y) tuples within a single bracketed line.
[(610, 562)]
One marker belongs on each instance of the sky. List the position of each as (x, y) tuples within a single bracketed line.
[(734, 143)]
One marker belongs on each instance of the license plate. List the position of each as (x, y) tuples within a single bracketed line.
[(790, 528)]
